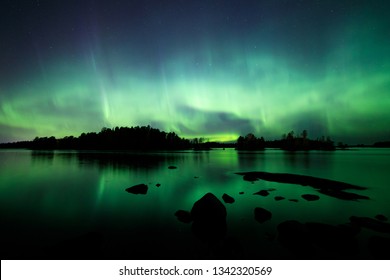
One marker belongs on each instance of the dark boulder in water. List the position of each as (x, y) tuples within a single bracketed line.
[(342, 194), (262, 215), (172, 167), (241, 193), (183, 216), (262, 193), (325, 186), (277, 198), (250, 177), (158, 185), (293, 200), (381, 218), (209, 219), (317, 183), (138, 189), (310, 197), (227, 198)]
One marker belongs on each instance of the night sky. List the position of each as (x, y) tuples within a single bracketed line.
[(215, 69)]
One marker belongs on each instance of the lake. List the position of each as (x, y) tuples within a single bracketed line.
[(73, 205)]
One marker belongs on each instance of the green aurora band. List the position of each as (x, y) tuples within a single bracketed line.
[(218, 89)]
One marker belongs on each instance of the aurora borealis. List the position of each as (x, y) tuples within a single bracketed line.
[(215, 69)]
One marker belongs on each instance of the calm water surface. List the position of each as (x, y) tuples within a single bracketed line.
[(74, 205)]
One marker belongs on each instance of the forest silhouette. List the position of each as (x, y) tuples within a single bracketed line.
[(144, 138), (119, 138), (289, 142)]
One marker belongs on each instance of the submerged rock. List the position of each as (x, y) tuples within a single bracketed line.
[(310, 197), (172, 167), (277, 198), (262, 215), (325, 186), (138, 189), (209, 219), (381, 218), (262, 193), (227, 198), (318, 183), (241, 193), (250, 177), (183, 216), (293, 200), (342, 194), (158, 185)]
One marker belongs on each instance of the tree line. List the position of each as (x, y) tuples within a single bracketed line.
[(288, 142), (119, 138), (148, 138)]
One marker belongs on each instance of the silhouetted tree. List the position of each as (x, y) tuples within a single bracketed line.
[(291, 143), (383, 144), (44, 143), (250, 142)]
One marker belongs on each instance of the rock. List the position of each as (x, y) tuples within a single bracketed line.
[(183, 216), (381, 217), (157, 185), (172, 167), (138, 189), (310, 197), (250, 177), (227, 198), (209, 207), (293, 200), (209, 219), (196, 177), (286, 178), (277, 198), (241, 193), (262, 193), (343, 194), (325, 186), (262, 215)]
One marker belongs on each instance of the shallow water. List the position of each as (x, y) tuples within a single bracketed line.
[(73, 205)]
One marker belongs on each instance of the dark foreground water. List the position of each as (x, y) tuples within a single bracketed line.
[(70, 205)]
